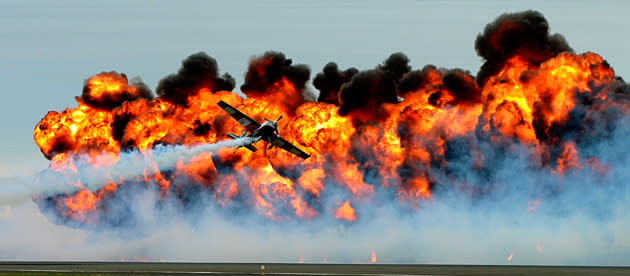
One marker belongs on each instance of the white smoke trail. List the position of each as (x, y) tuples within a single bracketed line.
[(135, 163), (18, 190)]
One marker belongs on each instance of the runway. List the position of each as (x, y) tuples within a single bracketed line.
[(145, 268)]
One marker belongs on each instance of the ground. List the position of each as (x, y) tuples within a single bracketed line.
[(103, 268)]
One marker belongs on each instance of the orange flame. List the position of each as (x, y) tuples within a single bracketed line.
[(401, 150), (346, 212), (509, 258)]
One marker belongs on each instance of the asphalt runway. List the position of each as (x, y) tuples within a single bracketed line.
[(133, 268)]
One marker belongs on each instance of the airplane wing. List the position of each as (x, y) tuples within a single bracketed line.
[(247, 122), (285, 145)]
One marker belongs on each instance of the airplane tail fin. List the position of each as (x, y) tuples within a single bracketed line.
[(233, 136)]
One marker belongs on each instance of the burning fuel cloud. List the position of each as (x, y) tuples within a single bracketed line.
[(386, 140)]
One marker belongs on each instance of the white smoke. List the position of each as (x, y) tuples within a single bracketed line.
[(17, 190)]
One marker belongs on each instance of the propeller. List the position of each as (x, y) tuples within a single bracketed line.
[(275, 125), (276, 121)]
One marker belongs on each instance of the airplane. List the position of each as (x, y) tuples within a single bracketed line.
[(267, 131)]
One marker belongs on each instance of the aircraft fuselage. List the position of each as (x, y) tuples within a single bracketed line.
[(267, 131)]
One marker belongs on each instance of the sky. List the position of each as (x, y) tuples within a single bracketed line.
[(49, 48)]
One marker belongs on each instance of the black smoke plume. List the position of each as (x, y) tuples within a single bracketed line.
[(462, 86), (367, 89), (522, 33), (418, 79), (198, 71), (330, 80), (265, 70), (397, 65)]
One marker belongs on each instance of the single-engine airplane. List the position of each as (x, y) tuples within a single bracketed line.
[(267, 131)]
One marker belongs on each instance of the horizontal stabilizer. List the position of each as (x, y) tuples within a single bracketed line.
[(250, 147)]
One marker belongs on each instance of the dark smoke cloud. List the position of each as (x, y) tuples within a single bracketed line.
[(367, 89), (330, 80), (110, 100), (418, 79), (522, 33), (462, 86), (397, 64), (265, 70), (198, 71)]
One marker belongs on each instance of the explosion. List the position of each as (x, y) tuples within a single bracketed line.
[(388, 132)]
